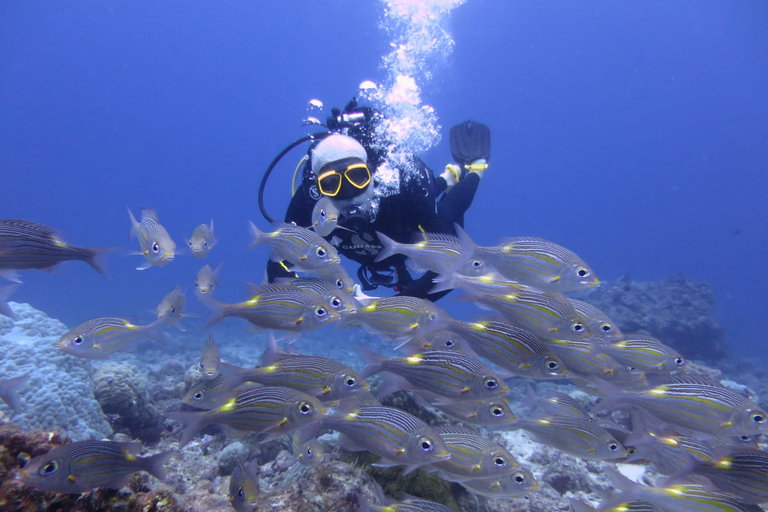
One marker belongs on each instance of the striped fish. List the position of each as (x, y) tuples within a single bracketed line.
[(438, 252), (548, 315), (244, 488), (339, 300), (171, 308), (556, 404), (599, 323), (645, 353), (511, 348), (202, 240), (632, 506), (310, 453), (440, 340), (155, 244), (539, 263), (25, 245), (489, 412), (509, 486), (576, 436), (400, 317), (694, 403), (742, 472), (584, 358), (678, 498), (210, 360), (207, 280), (277, 410), (337, 276), (302, 248), (394, 435), (409, 505), (490, 282), (450, 375), (279, 307), (85, 465), (669, 454), (214, 393), (472, 456), (101, 337), (325, 216)]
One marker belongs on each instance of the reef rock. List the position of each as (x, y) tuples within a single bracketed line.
[(122, 390), (59, 394)]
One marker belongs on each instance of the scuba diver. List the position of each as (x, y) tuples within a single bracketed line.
[(351, 168)]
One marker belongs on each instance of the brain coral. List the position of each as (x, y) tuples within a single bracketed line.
[(59, 395), (121, 389)]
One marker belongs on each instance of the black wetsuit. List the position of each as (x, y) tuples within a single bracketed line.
[(399, 216)]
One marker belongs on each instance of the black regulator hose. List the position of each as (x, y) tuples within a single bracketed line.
[(302, 140)]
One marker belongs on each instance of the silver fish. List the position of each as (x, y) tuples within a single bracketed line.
[(309, 453), (276, 410), (279, 307), (325, 216), (85, 465), (341, 301), (396, 436), (337, 276), (9, 391), (409, 505), (644, 352), (214, 393), (516, 484), (512, 348), (202, 240), (556, 404), (155, 244), (576, 436), (438, 252), (210, 360), (400, 317), (473, 282), (304, 249), (450, 375), (632, 506), (742, 472), (101, 337), (598, 322), (171, 308), (472, 456), (583, 357), (244, 488), (207, 280), (492, 412), (539, 263), (548, 315), (25, 245)]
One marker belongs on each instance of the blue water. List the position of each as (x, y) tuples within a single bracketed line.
[(633, 133)]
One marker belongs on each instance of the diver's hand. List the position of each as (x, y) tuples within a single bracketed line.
[(451, 175)]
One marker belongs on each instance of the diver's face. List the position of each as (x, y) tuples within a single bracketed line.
[(344, 179), (363, 198)]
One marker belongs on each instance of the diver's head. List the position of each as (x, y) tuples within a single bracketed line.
[(340, 166)]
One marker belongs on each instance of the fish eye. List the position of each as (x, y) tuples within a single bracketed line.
[(552, 365), (320, 252), (582, 272), (477, 263), (758, 418), (320, 312), (77, 340), (202, 366), (450, 344), (336, 302), (577, 327), (240, 493), (305, 408), (432, 317), (173, 309), (189, 243), (426, 445), (155, 247), (339, 284), (491, 384), (323, 214), (497, 411), (745, 438), (613, 447), (520, 478), (205, 244), (198, 395), (351, 382), (500, 461), (309, 451), (679, 361), (50, 468), (606, 327), (631, 451)]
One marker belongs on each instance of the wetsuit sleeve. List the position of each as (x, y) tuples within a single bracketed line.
[(300, 213), (454, 204)]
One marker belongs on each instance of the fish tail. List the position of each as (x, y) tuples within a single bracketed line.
[(219, 310), (155, 331), (256, 234), (93, 257), (5, 294), (193, 421), (9, 393), (372, 359), (154, 465), (390, 247), (443, 282)]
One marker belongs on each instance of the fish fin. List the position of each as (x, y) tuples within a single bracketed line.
[(154, 465), (414, 267), (213, 241), (149, 213), (155, 331), (256, 234), (94, 259), (233, 432), (9, 393), (372, 359), (5, 294), (10, 275), (145, 266), (193, 421), (443, 282), (134, 224), (390, 247)]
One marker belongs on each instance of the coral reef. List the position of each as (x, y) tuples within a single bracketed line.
[(59, 395), (121, 390), (678, 311)]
